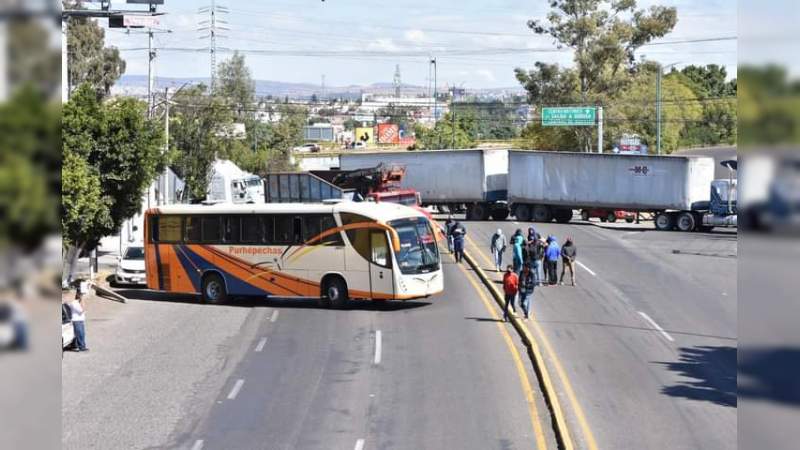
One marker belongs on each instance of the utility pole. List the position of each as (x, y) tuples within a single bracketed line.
[(658, 109), (4, 60), (397, 81), (150, 59), (213, 27), (453, 115), (599, 129)]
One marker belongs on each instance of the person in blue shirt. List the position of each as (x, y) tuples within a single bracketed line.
[(551, 259)]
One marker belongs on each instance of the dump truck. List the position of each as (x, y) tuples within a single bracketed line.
[(679, 190), (474, 179)]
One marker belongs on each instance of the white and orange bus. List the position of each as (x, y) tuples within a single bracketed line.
[(331, 251)]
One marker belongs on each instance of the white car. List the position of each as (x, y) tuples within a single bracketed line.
[(130, 269), (67, 331)]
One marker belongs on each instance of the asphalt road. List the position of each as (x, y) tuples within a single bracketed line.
[(644, 347), (166, 372)]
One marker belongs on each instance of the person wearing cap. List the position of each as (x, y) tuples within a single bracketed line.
[(498, 247), (569, 251), (552, 254)]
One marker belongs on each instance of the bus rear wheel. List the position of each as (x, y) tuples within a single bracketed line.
[(334, 292), (214, 289)]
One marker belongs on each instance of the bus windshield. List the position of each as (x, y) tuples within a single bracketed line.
[(418, 252)]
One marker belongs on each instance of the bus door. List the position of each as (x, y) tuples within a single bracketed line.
[(380, 268)]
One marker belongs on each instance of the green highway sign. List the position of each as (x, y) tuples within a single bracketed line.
[(581, 116)]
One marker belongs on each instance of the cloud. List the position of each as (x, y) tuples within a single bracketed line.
[(384, 44), (416, 36), (486, 74)]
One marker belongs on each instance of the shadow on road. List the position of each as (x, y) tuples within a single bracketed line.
[(770, 374), (711, 371), (274, 302), (483, 319)]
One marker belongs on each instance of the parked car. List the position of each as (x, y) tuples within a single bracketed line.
[(67, 331), (607, 215), (307, 148), (13, 327), (130, 269)]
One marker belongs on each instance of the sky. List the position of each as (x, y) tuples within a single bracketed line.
[(360, 42)]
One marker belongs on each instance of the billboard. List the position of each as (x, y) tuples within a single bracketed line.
[(388, 133), (365, 135)]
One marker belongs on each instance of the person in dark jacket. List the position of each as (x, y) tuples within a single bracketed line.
[(551, 256), (448, 230), (527, 284), (459, 235), (569, 251), (536, 250)]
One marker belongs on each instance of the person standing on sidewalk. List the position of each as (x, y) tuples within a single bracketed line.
[(459, 235), (568, 254), (498, 247), (510, 288), (527, 283), (552, 255), (78, 308)]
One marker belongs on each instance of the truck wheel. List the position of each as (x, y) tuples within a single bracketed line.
[(523, 213), (629, 220), (214, 289), (664, 221), (585, 215), (500, 214), (686, 221), (611, 217), (542, 213), (563, 215), (334, 290)]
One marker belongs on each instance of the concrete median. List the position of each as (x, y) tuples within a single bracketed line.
[(561, 430)]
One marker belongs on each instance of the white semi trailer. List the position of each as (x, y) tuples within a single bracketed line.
[(474, 178), (680, 190)]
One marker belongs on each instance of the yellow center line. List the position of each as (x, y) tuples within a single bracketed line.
[(523, 375), (562, 375)]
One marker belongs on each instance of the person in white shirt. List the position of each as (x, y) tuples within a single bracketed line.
[(78, 309)]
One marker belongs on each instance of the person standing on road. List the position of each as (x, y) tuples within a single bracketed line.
[(459, 234), (536, 253), (498, 247), (569, 251), (517, 242), (78, 308), (545, 267), (510, 288), (527, 283), (448, 231), (552, 255)]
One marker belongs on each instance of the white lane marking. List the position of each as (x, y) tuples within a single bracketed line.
[(236, 388), (198, 444), (657, 326), (274, 316), (359, 445), (377, 347), (261, 344), (586, 268)]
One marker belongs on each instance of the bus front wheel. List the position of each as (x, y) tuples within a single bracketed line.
[(214, 289), (334, 292)]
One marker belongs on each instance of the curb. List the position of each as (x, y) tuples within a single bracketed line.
[(545, 382)]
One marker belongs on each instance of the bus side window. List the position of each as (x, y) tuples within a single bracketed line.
[(297, 230), (380, 248), (153, 229), (311, 228), (329, 223), (232, 229), (251, 230), (192, 232), (283, 229), (211, 229), (170, 229), (268, 226)]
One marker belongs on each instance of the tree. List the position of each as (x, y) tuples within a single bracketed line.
[(445, 135), (30, 168), (709, 81), (89, 61), (235, 84), (112, 152), (604, 42), (32, 57), (196, 133)]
